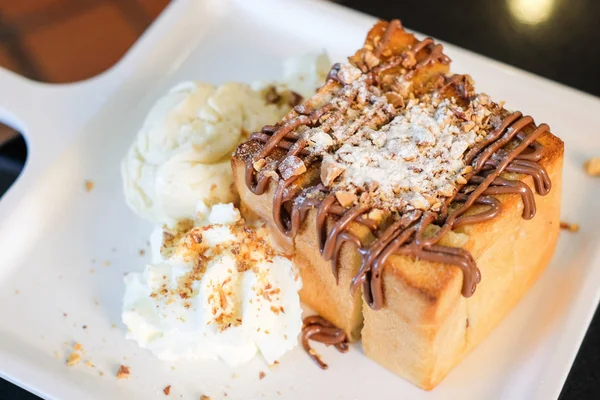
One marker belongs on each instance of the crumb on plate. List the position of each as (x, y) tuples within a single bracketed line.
[(568, 226), (167, 390), (89, 185), (205, 397), (123, 372), (261, 375), (73, 358), (592, 166)]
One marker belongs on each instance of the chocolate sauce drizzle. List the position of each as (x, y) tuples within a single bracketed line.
[(507, 148), (511, 146), (320, 330)]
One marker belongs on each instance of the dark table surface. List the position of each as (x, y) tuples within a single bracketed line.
[(557, 39)]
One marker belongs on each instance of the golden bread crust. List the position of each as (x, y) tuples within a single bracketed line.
[(426, 325)]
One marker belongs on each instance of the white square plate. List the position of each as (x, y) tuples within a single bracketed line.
[(64, 251)]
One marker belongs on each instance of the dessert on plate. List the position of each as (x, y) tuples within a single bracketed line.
[(216, 288), (182, 152), (418, 210)]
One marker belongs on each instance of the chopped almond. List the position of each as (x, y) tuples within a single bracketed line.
[(375, 215), (371, 60), (123, 372), (346, 199), (259, 164), (73, 359), (330, 170), (167, 390), (291, 166)]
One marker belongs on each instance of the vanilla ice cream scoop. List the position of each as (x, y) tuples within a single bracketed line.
[(181, 154), (214, 290)]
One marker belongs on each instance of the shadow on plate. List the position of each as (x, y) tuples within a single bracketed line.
[(13, 153)]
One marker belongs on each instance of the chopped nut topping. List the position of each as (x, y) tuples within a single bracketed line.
[(205, 397), (77, 346), (123, 372), (371, 60), (395, 99), (398, 155), (330, 170), (375, 215), (261, 375), (592, 167), (259, 164), (349, 73), (291, 166), (167, 390), (345, 199)]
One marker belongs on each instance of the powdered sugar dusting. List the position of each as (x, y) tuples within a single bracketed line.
[(414, 161)]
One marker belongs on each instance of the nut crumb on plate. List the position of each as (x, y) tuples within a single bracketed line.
[(167, 390), (592, 166), (123, 372), (568, 226), (89, 185), (73, 359), (261, 375), (205, 397)]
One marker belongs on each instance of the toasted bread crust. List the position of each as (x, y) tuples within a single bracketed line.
[(426, 326)]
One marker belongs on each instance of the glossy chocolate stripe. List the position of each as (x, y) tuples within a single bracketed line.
[(320, 330)]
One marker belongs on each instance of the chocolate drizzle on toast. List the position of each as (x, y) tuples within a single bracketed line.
[(320, 330), (509, 146)]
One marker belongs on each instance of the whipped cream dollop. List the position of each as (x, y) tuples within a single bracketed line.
[(216, 289), (182, 152)]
